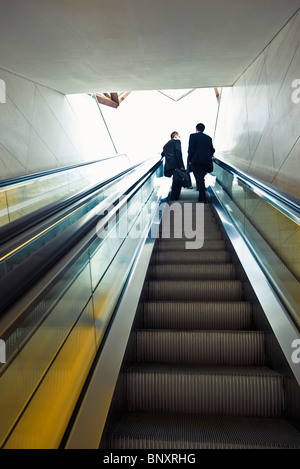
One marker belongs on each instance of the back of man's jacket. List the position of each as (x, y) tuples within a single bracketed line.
[(173, 154), (200, 148)]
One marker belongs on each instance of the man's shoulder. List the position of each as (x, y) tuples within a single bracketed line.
[(193, 136), (199, 135), (207, 137), (169, 142)]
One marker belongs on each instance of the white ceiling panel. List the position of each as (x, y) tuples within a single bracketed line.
[(77, 46)]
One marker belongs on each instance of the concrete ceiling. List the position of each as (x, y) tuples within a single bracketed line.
[(86, 46)]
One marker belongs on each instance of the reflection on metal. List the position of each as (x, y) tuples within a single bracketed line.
[(272, 194), (55, 328), (38, 235), (55, 221), (20, 197), (275, 259), (89, 424), (13, 187), (282, 325)]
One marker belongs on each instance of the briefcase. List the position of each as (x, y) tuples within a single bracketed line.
[(182, 177)]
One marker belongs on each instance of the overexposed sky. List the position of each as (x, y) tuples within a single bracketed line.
[(143, 122)]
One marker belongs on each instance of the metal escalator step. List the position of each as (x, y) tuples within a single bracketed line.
[(181, 235), (151, 430), (190, 206), (204, 290), (244, 391), (191, 257), (207, 225), (179, 245), (239, 348), (193, 272), (198, 315), (199, 379)]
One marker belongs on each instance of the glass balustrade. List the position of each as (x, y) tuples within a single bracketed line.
[(51, 349), (271, 233), (20, 198), (49, 230)]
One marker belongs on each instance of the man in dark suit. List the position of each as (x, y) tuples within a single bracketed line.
[(173, 159), (200, 154)]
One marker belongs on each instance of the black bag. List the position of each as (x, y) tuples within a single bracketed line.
[(182, 177), (190, 186)]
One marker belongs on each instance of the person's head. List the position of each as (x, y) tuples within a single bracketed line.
[(175, 135), (200, 128)]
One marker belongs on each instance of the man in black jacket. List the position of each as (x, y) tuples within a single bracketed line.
[(173, 159), (200, 154)]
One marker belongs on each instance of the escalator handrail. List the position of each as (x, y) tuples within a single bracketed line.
[(18, 179), (282, 201), (107, 363), (17, 227), (18, 281)]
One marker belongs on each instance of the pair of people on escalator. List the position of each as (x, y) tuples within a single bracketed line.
[(199, 161)]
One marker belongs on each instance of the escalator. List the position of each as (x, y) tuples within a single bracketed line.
[(122, 331), (197, 375), (63, 272), (39, 207)]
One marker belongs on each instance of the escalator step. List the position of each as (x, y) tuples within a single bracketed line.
[(190, 206), (205, 290), (209, 235), (191, 257), (252, 391), (179, 245), (192, 272), (208, 224), (198, 376), (239, 348), (200, 315), (173, 431)]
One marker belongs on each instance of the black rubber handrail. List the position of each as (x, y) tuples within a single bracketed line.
[(19, 226), (47, 172), (286, 203), (18, 281)]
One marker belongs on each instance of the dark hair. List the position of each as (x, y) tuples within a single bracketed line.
[(173, 134), (200, 127)]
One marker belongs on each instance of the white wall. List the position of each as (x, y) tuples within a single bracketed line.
[(259, 117), (42, 129)]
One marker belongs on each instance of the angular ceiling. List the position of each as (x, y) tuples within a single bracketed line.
[(89, 46)]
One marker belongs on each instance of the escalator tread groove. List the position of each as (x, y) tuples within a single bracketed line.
[(200, 377), (150, 430)]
